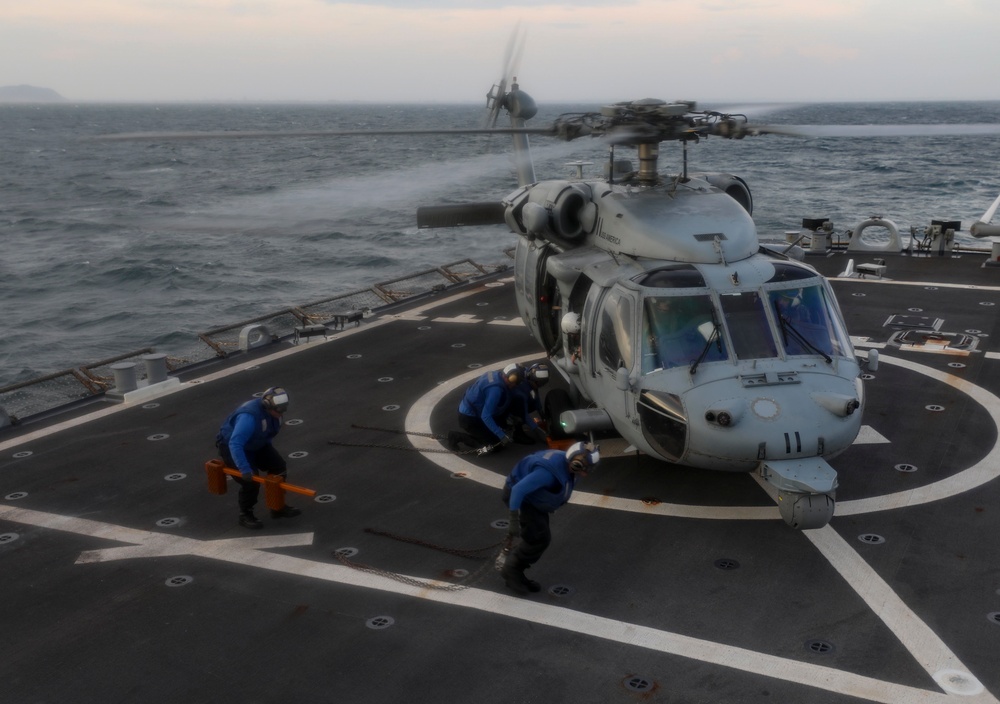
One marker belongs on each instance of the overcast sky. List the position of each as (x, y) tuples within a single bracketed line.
[(453, 50)]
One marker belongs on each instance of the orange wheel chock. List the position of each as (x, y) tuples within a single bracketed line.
[(274, 488)]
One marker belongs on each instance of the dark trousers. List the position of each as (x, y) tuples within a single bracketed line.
[(267, 459), (475, 434), (535, 533)]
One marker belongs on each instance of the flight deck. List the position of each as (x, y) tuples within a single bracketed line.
[(126, 579)]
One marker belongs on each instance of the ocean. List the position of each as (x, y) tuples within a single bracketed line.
[(108, 247)]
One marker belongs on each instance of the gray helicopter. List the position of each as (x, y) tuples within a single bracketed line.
[(669, 321)]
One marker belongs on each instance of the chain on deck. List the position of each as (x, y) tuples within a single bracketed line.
[(489, 561)]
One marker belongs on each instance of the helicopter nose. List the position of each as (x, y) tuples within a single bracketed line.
[(732, 427)]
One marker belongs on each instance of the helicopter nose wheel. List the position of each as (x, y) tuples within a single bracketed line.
[(805, 490), (806, 511)]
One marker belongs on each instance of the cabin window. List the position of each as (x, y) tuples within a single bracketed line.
[(807, 321), (676, 276), (615, 341), (787, 271), (748, 325), (678, 331)]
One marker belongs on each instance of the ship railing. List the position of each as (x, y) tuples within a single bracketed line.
[(41, 395)]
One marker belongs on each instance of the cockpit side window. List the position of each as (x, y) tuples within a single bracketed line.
[(614, 345), (678, 331), (807, 322), (748, 325)]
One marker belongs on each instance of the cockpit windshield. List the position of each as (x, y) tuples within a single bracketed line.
[(790, 315), (680, 331), (747, 324), (807, 322)]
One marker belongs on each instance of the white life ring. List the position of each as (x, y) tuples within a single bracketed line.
[(858, 244)]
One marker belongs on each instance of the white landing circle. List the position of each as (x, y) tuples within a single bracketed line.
[(987, 469)]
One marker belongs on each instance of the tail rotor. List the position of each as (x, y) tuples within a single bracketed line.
[(496, 99)]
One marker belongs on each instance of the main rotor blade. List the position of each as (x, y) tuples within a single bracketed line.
[(513, 52), (930, 130), (236, 134), (571, 129)]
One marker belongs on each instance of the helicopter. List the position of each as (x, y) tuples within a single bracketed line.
[(669, 321)]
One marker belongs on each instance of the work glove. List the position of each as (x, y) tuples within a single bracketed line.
[(514, 524)]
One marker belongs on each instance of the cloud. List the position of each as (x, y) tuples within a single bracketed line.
[(474, 5), (453, 50)]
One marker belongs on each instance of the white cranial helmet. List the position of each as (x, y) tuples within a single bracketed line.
[(582, 456), (570, 323)]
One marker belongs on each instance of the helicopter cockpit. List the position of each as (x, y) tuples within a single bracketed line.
[(683, 325)]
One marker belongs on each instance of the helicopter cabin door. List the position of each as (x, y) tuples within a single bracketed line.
[(612, 350), (537, 294)]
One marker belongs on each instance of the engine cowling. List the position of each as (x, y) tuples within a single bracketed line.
[(559, 211), (733, 186)]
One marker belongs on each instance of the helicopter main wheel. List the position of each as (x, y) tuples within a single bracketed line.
[(557, 401)]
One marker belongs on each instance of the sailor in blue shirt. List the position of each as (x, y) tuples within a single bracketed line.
[(244, 442), (485, 405), (538, 485)]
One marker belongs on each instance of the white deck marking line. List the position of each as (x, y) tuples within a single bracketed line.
[(922, 642), (162, 545), (406, 316), (237, 369), (464, 319), (869, 436), (241, 551)]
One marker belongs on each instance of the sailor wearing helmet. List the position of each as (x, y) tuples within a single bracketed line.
[(244, 442), (538, 485), (484, 407)]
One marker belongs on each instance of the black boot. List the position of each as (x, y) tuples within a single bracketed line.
[(514, 578), (286, 512), (248, 520)]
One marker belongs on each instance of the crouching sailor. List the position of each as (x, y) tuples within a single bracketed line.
[(244, 442), (484, 408), (538, 485)]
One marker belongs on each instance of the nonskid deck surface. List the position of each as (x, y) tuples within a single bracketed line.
[(124, 579)]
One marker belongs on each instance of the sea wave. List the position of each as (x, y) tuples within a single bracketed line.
[(110, 247)]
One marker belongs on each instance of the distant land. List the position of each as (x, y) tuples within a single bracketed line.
[(29, 94)]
